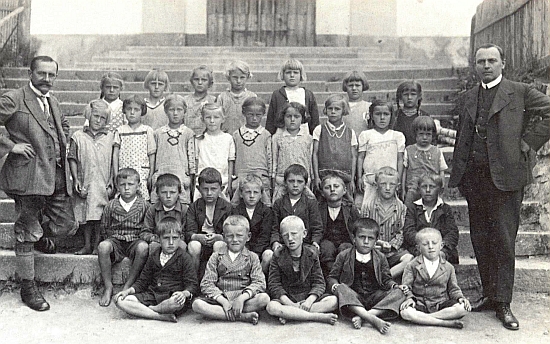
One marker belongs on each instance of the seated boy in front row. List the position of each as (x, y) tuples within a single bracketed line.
[(296, 281), (168, 281), (233, 284), (121, 223), (361, 279), (438, 300)]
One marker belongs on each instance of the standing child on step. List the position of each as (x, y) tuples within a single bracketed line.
[(202, 80), (378, 147), (238, 74), (89, 156), (335, 146), (292, 73), (134, 144), (354, 84), (110, 85), (156, 82)]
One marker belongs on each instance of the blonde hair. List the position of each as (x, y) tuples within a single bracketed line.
[(238, 65), (97, 105), (157, 74), (293, 64), (236, 220), (337, 98), (174, 98), (212, 107), (113, 77)]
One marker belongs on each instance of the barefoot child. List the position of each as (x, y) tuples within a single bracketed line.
[(361, 280), (354, 84), (90, 154), (167, 283), (157, 83), (296, 282), (233, 284), (438, 300), (201, 79), (121, 223)]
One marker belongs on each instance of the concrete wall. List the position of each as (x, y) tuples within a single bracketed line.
[(165, 16)]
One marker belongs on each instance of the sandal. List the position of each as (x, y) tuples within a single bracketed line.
[(45, 245)]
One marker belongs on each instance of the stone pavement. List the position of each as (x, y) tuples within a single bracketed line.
[(75, 317)]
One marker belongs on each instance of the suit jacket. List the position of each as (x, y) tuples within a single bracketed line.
[(442, 219), (442, 286), (282, 278), (343, 269), (279, 99), (306, 209), (196, 214), (510, 119), (177, 274), (260, 226), (25, 122), (349, 211)]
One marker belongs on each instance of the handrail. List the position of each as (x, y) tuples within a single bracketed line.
[(12, 14)]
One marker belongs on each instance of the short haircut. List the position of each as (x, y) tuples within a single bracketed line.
[(203, 68), (434, 177), (381, 102), (212, 107), (409, 85), (168, 225), (365, 223), (236, 220), (355, 76), (339, 99), (97, 105), (42, 58), (251, 179), (297, 170), (292, 64), (134, 98), (174, 98), (424, 123), (330, 175), (426, 230), (253, 101), (125, 173), (168, 179), (210, 175), (280, 116), (110, 77), (292, 220), (157, 74), (240, 66), (491, 45), (386, 171)]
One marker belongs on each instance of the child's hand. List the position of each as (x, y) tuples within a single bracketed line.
[(404, 288), (360, 185), (227, 308), (317, 184), (149, 183), (407, 303), (316, 245), (351, 190), (238, 305), (466, 304), (306, 305), (276, 246), (209, 239), (179, 297), (385, 246), (122, 294), (200, 238), (110, 190)]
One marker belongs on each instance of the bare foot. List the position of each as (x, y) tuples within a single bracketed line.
[(330, 318), (105, 299), (83, 251), (282, 320), (357, 322), (381, 325), (168, 317), (455, 324), (94, 252), (251, 317)]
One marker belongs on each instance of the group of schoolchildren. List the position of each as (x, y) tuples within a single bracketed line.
[(271, 221)]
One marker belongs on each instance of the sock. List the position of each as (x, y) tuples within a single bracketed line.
[(24, 260)]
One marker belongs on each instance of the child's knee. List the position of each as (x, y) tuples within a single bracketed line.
[(267, 256), (262, 299), (460, 309), (105, 247), (407, 313), (218, 246), (272, 307), (194, 248), (142, 249), (407, 258)]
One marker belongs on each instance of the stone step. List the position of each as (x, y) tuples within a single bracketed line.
[(300, 50), (245, 55), (180, 74), (222, 85), (531, 273)]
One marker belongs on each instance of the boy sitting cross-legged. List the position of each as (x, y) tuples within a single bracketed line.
[(167, 282), (438, 300), (121, 223), (361, 279), (296, 282), (233, 284)]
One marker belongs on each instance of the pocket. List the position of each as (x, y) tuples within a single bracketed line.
[(17, 172)]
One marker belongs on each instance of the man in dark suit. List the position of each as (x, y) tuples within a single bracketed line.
[(502, 124), (35, 173)]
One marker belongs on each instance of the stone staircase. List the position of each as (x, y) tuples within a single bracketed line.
[(325, 68)]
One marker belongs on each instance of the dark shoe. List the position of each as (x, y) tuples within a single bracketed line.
[(45, 245), (483, 304), (504, 314), (32, 297)]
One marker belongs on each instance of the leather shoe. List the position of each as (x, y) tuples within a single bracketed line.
[(483, 304), (504, 314), (32, 297)]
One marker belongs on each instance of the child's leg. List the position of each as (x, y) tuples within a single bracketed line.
[(87, 230), (397, 270), (370, 317), (168, 306), (132, 306), (456, 311), (104, 256), (279, 310), (95, 237), (218, 246), (252, 306), (418, 317), (194, 249), (266, 259), (328, 253), (140, 253), (325, 305), (209, 310)]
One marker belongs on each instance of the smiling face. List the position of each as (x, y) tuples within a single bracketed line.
[(293, 120), (381, 116), (43, 75), (430, 245), (354, 90), (429, 191), (169, 242), (253, 115), (236, 237), (293, 235), (334, 189), (213, 120), (175, 112), (237, 80), (168, 195), (295, 185), (132, 112), (489, 64), (156, 88), (292, 77), (386, 186), (364, 240), (110, 90)]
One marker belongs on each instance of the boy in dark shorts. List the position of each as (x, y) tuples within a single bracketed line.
[(167, 282), (121, 223)]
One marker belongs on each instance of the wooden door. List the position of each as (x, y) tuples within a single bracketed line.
[(261, 22)]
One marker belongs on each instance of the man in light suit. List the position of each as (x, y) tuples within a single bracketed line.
[(35, 173), (502, 124)]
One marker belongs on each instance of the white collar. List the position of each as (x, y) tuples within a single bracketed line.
[(233, 255), (437, 204), (333, 127), (492, 83), (37, 91), (168, 209), (363, 258), (245, 129), (300, 133), (127, 205)]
